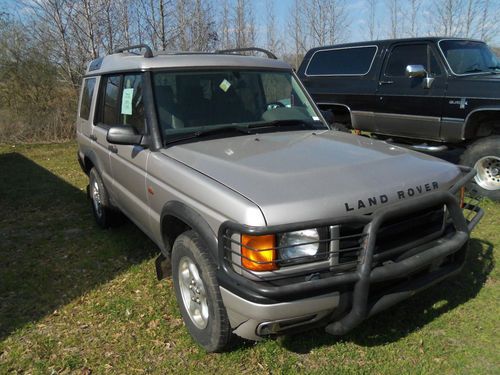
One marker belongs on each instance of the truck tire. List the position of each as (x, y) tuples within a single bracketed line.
[(104, 215), (484, 156), (198, 294)]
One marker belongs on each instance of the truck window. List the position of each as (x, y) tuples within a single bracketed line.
[(131, 104), (342, 61), (108, 113), (411, 54), (86, 100)]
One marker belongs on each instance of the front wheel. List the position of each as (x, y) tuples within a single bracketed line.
[(484, 156), (197, 292)]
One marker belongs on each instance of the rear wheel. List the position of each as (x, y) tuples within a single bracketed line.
[(197, 292), (484, 156), (104, 215)]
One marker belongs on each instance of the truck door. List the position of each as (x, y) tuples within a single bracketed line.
[(405, 107), (128, 163)]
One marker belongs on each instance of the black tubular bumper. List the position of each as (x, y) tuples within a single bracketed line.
[(419, 261)]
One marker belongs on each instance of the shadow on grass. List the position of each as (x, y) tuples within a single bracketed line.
[(51, 252), (412, 314)]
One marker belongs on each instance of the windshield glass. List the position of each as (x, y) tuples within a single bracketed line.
[(196, 101), (469, 57)]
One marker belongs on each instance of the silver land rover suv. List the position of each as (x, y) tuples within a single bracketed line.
[(268, 221)]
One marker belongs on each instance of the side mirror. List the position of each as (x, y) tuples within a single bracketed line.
[(418, 71), (123, 135), (415, 71), (328, 116)]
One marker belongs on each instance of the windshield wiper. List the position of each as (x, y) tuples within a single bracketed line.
[(278, 123), (208, 132), (475, 70)]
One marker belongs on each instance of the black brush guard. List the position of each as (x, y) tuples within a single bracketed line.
[(357, 282)]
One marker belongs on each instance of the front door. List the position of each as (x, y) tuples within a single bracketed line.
[(127, 163), (405, 107)]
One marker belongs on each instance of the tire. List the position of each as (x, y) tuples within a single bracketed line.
[(200, 300), (104, 215), (484, 155)]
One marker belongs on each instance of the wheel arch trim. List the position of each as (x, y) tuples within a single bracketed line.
[(468, 123), (193, 219)]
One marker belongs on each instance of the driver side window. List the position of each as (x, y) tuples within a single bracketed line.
[(411, 54), (121, 101)]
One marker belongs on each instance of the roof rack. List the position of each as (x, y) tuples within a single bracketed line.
[(148, 53), (265, 51)]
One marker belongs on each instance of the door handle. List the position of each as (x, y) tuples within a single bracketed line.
[(93, 137), (113, 149), (380, 83)]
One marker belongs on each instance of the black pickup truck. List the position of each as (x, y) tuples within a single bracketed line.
[(428, 93)]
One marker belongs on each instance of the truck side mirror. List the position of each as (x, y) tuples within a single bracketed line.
[(418, 71), (124, 135), (328, 116)]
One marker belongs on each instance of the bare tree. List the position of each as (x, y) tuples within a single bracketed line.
[(488, 26), (225, 40), (372, 12), (296, 27), (394, 7), (244, 25), (273, 42), (326, 21), (447, 20), (413, 16)]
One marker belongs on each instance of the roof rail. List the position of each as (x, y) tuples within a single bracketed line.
[(148, 53), (268, 53)]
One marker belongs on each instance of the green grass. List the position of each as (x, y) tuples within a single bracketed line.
[(75, 298)]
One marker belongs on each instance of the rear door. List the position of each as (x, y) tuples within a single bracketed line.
[(105, 116), (404, 106)]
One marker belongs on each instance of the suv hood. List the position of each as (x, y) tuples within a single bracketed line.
[(305, 175)]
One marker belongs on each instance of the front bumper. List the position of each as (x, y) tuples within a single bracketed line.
[(350, 297)]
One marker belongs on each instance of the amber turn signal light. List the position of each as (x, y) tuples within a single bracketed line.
[(258, 253)]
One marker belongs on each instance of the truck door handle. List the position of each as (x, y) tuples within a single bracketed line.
[(93, 137), (113, 149), (380, 83)]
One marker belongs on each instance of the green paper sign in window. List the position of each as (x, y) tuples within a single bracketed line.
[(127, 97)]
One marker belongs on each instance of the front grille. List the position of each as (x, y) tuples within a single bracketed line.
[(419, 225), (340, 246)]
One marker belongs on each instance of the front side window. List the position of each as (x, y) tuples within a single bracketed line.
[(121, 101), (111, 93), (411, 54), (469, 57), (342, 61), (87, 94), (188, 102), (131, 105)]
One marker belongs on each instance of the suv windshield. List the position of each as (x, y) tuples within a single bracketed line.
[(468, 57), (199, 102)]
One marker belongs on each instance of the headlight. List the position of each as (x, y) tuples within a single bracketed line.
[(289, 252)]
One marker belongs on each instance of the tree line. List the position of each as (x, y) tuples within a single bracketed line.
[(46, 44)]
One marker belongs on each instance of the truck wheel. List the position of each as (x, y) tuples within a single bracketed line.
[(104, 215), (197, 292), (484, 156)]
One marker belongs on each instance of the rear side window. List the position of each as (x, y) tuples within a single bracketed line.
[(412, 54), (342, 61), (87, 94)]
